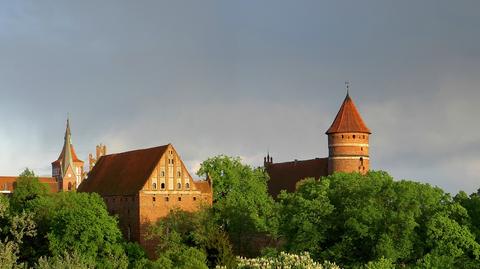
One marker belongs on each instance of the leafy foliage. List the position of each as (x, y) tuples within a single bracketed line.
[(27, 190), (284, 260), (353, 219), (187, 240), (242, 205)]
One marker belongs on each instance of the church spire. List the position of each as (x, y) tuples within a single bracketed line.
[(67, 149)]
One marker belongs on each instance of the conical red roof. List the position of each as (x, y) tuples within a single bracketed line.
[(348, 120)]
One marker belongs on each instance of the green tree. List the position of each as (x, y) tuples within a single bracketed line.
[(353, 219), (70, 222), (242, 204), (28, 189), (191, 239)]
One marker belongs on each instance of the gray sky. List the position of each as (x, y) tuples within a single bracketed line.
[(240, 78)]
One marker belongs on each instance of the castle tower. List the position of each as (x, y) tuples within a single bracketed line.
[(68, 169), (101, 150), (348, 138)]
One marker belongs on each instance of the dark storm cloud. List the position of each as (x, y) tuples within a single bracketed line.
[(241, 78)]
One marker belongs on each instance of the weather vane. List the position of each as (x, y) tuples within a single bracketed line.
[(347, 85)]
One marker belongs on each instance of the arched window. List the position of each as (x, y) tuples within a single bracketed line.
[(162, 186), (154, 186), (179, 199), (179, 185), (187, 185), (353, 136), (361, 161), (179, 173), (69, 186)]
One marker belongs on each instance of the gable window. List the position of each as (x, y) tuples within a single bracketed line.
[(154, 186), (179, 185), (187, 185), (179, 174), (162, 186)]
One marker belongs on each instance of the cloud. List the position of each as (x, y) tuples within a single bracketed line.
[(242, 78)]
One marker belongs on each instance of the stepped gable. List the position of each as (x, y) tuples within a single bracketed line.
[(348, 119), (123, 173), (284, 176)]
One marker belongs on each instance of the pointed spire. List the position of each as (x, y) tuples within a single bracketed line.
[(347, 85), (67, 149), (348, 119)]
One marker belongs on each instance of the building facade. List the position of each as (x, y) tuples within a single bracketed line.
[(68, 168), (348, 151), (142, 186)]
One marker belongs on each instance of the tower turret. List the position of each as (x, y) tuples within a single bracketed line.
[(348, 141)]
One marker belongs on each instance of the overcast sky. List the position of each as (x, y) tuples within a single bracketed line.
[(243, 77)]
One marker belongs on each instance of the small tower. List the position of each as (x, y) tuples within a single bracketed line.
[(68, 169), (348, 138)]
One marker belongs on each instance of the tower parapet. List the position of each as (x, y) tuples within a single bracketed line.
[(348, 141)]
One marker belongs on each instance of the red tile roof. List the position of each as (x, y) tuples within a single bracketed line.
[(348, 119), (203, 186), (8, 184), (123, 173), (74, 156), (284, 176)]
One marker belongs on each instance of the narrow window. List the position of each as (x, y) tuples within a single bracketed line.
[(166, 199), (353, 136), (342, 136), (361, 149), (187, 185), (179, 199), (154, 186), (179, 174), (194, 198), (153, 199), (69, 186), (179, 185), (162, 186)]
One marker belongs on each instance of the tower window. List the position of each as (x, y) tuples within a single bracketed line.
[(187, 185), (179, 185), (162, 186), (154, 186)]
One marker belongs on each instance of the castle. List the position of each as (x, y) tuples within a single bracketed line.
[(142, 186), (348, 144)]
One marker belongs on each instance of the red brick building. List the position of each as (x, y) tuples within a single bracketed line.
[(8, 184), (348, 144), (68, 168), (142, 186)]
